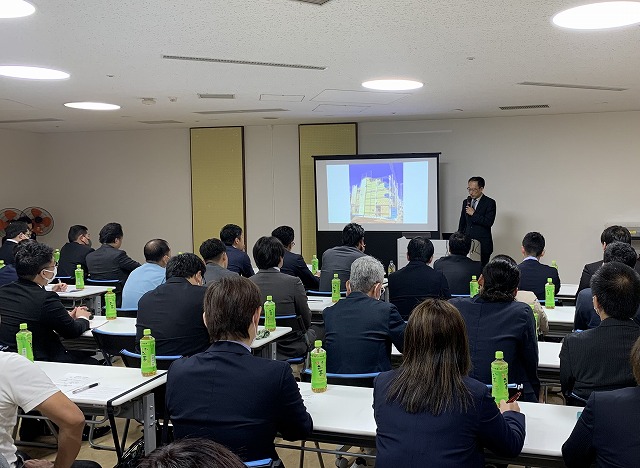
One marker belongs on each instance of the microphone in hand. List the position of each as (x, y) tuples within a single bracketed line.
[(469, 200)]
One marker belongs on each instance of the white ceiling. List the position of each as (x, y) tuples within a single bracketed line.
[(469, 54)]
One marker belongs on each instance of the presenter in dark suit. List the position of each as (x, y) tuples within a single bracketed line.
[(27, 301), (173, 310), (339, 259), (228, 395), (415, 282), (457, 267), (15, 233), (533, 274), (598, 359), (109, 262), (361, 328), (294, 263), (431, 414), (238, 260), (497, 322), (477, 217), (75, 252), (288, 294)]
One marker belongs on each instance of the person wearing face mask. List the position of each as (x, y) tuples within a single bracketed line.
[(173, 310), (27, 301), (225, 393), (14, 233), (75, 252)]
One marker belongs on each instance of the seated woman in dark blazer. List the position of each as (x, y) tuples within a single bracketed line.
[(429, 411), (497, 322), (606, 432)]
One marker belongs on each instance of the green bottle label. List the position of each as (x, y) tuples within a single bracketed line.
[(270, 315), (110, 305), (79, 273), (56, 255), (318, 369), (335, 289), (474, 288), (24, 341), (499, 380), (549, 296), (314, 265), (148, 355)]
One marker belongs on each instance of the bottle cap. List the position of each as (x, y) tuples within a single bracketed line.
[(269, 298), (1, 262), (335, 275), (23, 326), (318, 344), (315, 256), (109, 289), (147, 332), (499, 355), (78, 266), (549, 280), (474, 277)]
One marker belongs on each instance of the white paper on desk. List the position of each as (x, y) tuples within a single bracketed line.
[(69, 382), (100, 392)]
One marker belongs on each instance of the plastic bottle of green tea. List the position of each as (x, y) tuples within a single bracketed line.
[(110, 305), (318, 368), (474, 287), (499, 378), (148, 354), (549, 294), (314, 264), (270, 314), (24, 340), (79, 273), (335, 288)]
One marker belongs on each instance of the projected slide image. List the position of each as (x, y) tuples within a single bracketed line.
[(376, 193)]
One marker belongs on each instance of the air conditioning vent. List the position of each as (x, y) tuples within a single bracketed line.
[(532, 106), (243, 62), (31, 120), (239, 111), (315, 2), (216, 96), (571, 86), (157, 122)]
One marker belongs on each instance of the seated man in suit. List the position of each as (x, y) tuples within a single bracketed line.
[(14, 232), (288, 294), (415, 282), (173, 310), (239, 262), (148, 276), (609, 235), (361, 328), (533, 274), (27, 301), (605, 433), (8, 274), (586, 316), (598, 359), (75, 252), (339, 259), (457, 267), (228, 395), (293, 263), (214, 253)]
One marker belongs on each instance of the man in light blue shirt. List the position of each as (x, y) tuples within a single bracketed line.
[(148, 276)]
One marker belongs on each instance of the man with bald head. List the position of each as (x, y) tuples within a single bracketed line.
[(148, 276)]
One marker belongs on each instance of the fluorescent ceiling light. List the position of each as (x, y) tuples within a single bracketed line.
[(392, 85), (599, 15), (32, 73), (15, 9), (92, 105)]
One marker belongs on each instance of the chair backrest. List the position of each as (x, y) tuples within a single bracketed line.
[(312, 292), (259, 463), (131, 312), (352, 380), (294, 321), (111, 343), (133, 360)]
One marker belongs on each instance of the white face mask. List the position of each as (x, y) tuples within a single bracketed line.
[(55, 273)]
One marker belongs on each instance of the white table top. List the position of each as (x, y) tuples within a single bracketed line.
[(348, 410), (113, 381), (274, 335), (73, 293), (561, 315), (319, 303), (567, 291)]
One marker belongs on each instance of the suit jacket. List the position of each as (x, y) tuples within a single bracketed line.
[(458, 269), (239, 400), (73, 254), (598, 359), (6, 252), (605, 431), (291, 299), (108, 263), (412, 284), (295, 265), (533, 277), (453, 439), (479, 225), (502, 326), (338, 260), (173, 312), (214, 272), (27, 302), (359, 334), (588, 271), (239, 262), (8, 275), (586, 316)]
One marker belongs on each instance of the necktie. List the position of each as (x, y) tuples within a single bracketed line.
[(474, 203)]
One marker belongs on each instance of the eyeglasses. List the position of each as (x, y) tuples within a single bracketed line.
[(469, 189)]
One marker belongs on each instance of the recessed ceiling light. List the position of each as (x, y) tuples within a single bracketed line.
[(392, 85), (599, 15), (32, 73), (15, 9), (92, 105)]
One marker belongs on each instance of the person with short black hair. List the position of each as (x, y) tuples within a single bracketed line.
[(214, 254), (477, 216), (29, 223), (148, 276), (605, 433), (14, 233), (75, 252), (417, 281), (261, 397), (289, 295), (294, 263), (191, 453), (238, 260), (597, 359), (339, 259), (497, 322), (533, 274), (173, 310), (457, 267)]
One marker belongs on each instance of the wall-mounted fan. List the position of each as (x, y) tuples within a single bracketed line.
[(6, 216), (41, 219)]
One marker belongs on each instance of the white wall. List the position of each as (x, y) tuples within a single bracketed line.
[(22, 175)]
